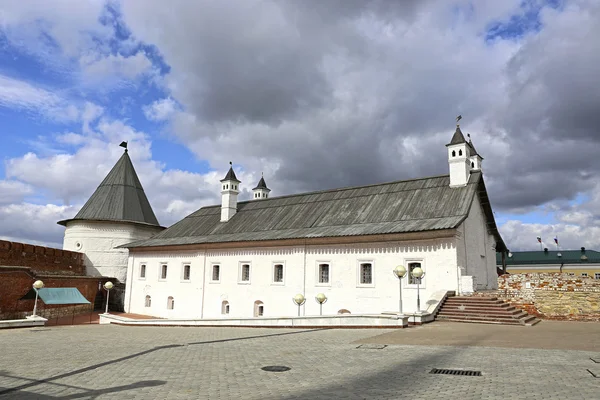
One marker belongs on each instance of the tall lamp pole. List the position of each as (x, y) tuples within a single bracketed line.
[(299, 300), (37, 285), (321, 299), (418, 273), (108, 285), (400, 271)]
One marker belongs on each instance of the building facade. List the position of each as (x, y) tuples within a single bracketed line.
[(582, 263), (249, 259)]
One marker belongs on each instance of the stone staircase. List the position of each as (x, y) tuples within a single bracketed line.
[(483, 310)]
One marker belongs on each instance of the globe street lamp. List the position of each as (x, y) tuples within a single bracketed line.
[(108, 285), (37, 285), (418, 273), (321, 298), (299, 299), (400, 271)]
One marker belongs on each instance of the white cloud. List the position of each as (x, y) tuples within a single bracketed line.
[(160, 110), (13, 191), (28, 223), (97, 67)]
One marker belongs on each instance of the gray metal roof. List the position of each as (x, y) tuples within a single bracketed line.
[(230, 175), (120, 197), (397, 207), (458, 137)]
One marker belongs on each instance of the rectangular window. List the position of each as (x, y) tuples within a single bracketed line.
[(411, 279), (278, 273), (163, 271), (366, 274), (216, 272), (323, 273), (584, 274), (186, 272), (597, 275), (143, 271), (245, 273)]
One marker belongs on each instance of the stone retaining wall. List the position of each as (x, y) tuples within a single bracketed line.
[(551, 295), (41, 259)]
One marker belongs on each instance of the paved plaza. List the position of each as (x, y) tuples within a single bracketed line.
[(548, 361)]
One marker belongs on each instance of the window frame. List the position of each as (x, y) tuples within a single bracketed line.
[(160, 269), (318, 282), (145, 265), (596, 275), (273, 265), (359, 264), (584, 275), (407, 262), (212, 267), (183, 265), (240, 273)]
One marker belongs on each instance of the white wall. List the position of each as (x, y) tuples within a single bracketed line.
[(477, 257), (300, 276), (97, 240)]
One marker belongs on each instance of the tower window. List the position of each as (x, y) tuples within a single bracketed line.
[(460, 152), (453, 153), (472, 164)]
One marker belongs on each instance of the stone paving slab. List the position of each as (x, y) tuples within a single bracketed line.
[(116, 362)]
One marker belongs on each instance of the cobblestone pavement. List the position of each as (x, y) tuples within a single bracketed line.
[(118, 362)]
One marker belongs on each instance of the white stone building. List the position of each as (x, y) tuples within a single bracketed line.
[(245, 259)]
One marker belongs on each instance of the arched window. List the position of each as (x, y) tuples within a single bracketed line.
[(453, 153), (225, 307), (148, 301), (460, 152), (259, 308), (170, 303), (472, 164)]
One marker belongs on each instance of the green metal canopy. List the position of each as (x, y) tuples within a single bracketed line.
[(62, 296)]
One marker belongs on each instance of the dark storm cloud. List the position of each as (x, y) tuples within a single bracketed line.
[(338, 93)]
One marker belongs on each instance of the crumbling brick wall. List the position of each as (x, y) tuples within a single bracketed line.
[(552, 295)]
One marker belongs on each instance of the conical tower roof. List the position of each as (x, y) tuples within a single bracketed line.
[(230, 175), (458, 137), (120, 197), (261, 184)]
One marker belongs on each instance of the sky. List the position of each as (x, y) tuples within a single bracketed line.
[(314, 94)]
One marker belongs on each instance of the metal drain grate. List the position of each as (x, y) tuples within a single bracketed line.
[(460, 372), (276, 368)]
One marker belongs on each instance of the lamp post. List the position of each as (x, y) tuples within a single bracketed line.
[(299, 300), (108, 285), (321, 298), (37, 285), (400, 271), (418, 273)]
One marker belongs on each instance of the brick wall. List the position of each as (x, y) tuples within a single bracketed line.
[(15, 282), (552, 295), (41, 259)]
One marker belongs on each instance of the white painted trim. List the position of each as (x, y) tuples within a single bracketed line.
[(273, 264), (318, 273), (240, 281), (212, 267), (160, 268), (181, 278), (139, 271), (359, 262), (423, 267)]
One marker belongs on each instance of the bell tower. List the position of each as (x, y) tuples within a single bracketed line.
[(229, 193), (459, 158)]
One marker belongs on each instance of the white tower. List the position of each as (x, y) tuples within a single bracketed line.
[(459, 159), (475, 159), (261, 191), (229, 194)]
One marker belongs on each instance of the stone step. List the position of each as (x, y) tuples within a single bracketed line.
[(481, 315), (474, 300), (462, 307), (482, 320), (476, 304)]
